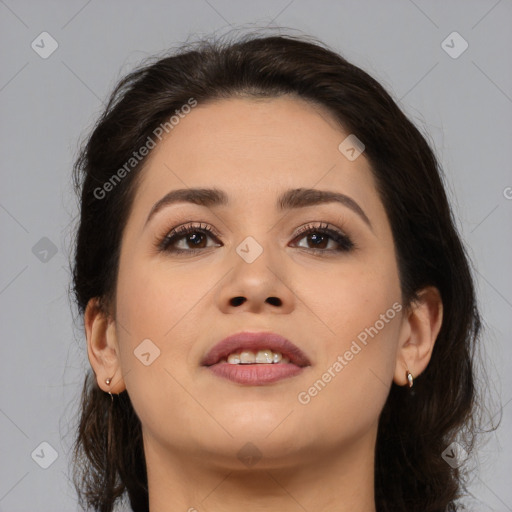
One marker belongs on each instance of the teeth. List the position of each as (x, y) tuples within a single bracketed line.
[(265, 356), (234, 358), (247, 357)]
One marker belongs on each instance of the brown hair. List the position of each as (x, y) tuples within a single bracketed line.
[(416, 425)]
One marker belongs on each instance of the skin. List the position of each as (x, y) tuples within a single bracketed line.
[(315, 456)]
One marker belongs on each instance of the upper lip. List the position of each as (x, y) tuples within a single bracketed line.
[(255, 341)]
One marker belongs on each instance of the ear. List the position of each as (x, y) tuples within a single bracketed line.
[(418, 334), (102, 347)]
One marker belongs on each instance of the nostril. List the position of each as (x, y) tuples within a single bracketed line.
[(236, 301)]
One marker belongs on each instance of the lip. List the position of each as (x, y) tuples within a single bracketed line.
[(256, 341), (257, 373)]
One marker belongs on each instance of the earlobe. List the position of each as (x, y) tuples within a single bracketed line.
[(102, 347), (418, 335)]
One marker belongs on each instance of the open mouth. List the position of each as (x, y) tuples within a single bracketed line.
[(255, 358)]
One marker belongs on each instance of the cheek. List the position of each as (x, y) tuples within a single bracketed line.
[(360, 324), (152, 296), (161, 302), (354, 298), (153, 341), (147, 309), (351, 382)]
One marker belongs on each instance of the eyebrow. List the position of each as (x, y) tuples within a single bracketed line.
[(291, 199)]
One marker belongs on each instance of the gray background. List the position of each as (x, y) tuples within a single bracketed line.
[(462, 104)]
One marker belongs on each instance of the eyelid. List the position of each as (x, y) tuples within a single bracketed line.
[(322, 225), (189, 225)]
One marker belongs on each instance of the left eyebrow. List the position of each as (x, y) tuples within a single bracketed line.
[(290, 199)]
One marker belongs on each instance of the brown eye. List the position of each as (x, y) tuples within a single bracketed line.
[(193, 238), (320, 236)]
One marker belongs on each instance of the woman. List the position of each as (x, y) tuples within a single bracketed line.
[(279, 311)]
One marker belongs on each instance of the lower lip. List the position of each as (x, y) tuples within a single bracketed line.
[(255, 374)]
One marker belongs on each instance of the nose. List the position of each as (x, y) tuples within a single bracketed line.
[(259, 285)]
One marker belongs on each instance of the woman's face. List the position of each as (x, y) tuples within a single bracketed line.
[(340, 304)]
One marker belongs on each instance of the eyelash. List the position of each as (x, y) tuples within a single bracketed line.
[(345, 242)]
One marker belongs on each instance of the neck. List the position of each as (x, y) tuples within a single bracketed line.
[(339, 480)]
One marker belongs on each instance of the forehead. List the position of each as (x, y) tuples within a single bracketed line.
[(252, 148)]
